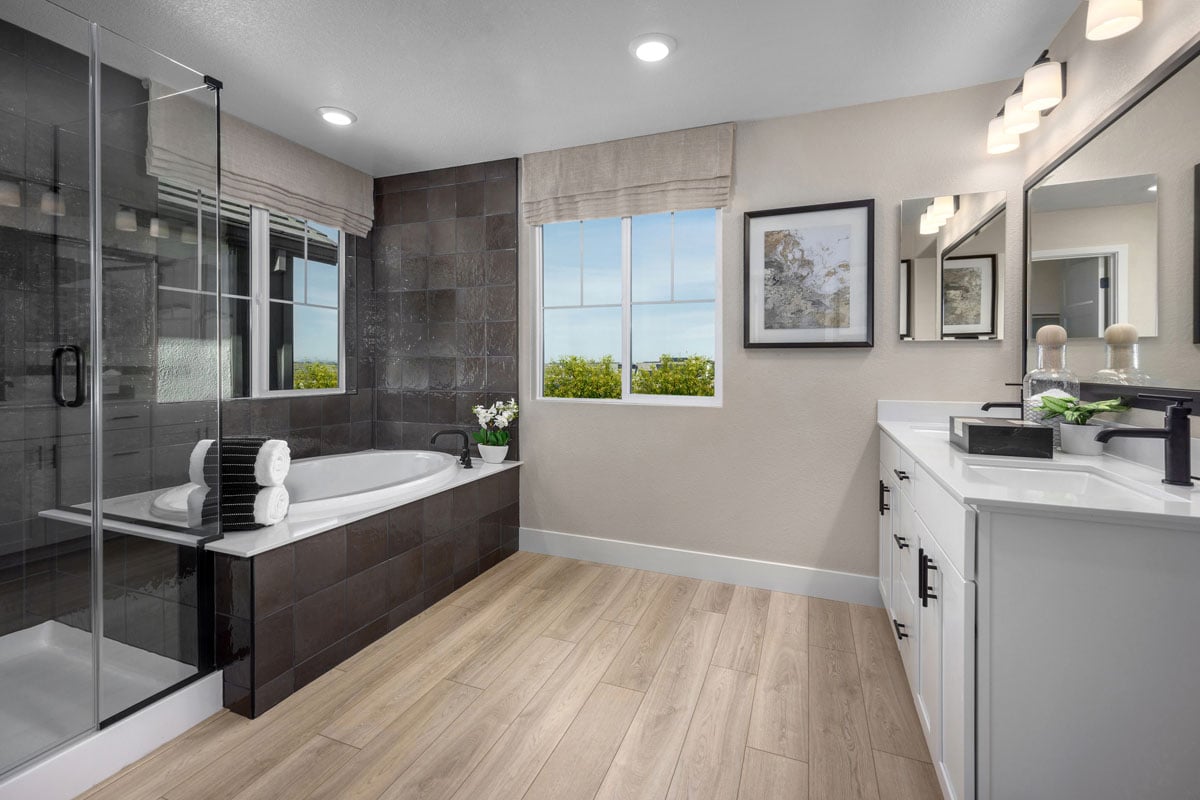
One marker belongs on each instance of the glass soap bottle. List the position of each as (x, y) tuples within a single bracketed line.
[(1121, 364), (1051, 375)]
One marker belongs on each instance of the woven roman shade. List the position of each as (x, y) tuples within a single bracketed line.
[(257, 166), (673, 171)]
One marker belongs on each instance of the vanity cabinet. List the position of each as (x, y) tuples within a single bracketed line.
[(930, 595)]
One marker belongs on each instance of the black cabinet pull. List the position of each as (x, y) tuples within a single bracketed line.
[(883, 492), (925, 564), (900, 626), (901, 541), (901, 475), (56, 373)]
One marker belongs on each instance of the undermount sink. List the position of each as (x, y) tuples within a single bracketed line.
[(932, 429), (1074, 484)]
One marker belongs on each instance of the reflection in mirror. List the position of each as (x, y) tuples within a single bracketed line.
[(1094, 255), (1111, 233), (952, 257)]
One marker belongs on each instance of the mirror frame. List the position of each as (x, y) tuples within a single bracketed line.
[(1102, 391)]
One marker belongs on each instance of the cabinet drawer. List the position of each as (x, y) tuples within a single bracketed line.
[(906, 474), (905, 610), (906, 556), (950, 523), (889, 457)]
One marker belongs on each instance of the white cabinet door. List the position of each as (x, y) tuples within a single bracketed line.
[(956, 596), (929, 606), (886, 515)]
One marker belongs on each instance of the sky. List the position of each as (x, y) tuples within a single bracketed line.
[(582, 264)]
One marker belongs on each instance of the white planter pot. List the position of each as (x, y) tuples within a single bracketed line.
[(492, 454), (1080, 440)]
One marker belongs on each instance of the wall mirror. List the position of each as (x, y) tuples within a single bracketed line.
[(1111, 236), (952, 260)]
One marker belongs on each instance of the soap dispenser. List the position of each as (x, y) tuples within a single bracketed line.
[(1121, 365), (1051, 375)]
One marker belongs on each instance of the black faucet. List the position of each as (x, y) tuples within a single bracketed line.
[(1005, 403), (465, 458), (1176, 435)]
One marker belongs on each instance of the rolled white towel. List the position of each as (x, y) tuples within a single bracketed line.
[(196, 462), (273, 462), (195, 506), (271, 505)]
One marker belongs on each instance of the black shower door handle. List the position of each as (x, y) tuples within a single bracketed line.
[(57, 374)]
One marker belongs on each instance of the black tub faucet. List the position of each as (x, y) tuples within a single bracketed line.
[(1176, 435), (465, 458)]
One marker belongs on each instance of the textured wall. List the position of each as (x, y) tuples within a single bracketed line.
[(785, 471), (444, 325)]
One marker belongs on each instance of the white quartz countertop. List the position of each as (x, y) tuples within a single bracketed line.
[(1100, 486)]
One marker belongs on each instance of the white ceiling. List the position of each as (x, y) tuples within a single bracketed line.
[(445, 82)]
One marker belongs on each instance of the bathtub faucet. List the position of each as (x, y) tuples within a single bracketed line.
[(465, 458)]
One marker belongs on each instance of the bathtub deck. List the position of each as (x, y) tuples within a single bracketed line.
[(553, 678)]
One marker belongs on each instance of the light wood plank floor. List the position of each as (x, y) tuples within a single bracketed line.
[(553, 678)]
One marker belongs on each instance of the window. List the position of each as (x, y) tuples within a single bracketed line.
[(641, 291), (283, 300)]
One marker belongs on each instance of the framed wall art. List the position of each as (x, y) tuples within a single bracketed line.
[(809, 276)]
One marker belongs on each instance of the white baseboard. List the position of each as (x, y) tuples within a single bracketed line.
[(863, 589), (79, 766)]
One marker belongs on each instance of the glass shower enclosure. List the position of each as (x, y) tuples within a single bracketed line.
[(110, 332)]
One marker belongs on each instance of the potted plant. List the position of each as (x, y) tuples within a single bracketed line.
[(1078, 437), (493, 434)]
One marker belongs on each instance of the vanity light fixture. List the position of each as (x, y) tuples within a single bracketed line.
[(159, 229), (1016, 119), (126, 220), (943, 207), (10, 194), (929, 226), (337, 116), (1044, 84), (652, 46), (1153, 188), (1108, 19), (52, 204), (188, 234), (1000, 141)]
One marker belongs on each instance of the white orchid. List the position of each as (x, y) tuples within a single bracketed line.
[(494, 421)]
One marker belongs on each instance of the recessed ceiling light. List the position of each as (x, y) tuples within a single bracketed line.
[(336, 116), (652, 46)]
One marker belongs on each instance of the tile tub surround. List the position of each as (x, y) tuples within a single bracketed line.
[(445, 293), (289, 614)]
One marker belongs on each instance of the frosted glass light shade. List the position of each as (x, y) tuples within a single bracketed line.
[(188, 234), (1043, 86), (1016, 119), (125, 220), (999, 140), (10, 194), (1108, 19), (929, 226), (52, 204), (942, 207), (159, 229)]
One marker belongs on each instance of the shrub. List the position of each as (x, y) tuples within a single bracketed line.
[(576, 376), (694, 376), (314, 375)]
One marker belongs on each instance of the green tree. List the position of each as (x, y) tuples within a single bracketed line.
[(694, 376), (576, 376), (314, 375)]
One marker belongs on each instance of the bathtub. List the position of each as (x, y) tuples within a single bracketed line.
[(330, 486)]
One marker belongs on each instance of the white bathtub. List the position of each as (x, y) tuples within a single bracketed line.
[(329, 486)]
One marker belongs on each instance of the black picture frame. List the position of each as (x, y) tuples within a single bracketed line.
[(868, 337), (991, 328)]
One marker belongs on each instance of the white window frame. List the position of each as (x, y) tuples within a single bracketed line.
[(627, 396), (260, 316)]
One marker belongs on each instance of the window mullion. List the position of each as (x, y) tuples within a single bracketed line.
[(626, 306)]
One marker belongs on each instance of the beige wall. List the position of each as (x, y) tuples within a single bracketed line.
[(786, 469)]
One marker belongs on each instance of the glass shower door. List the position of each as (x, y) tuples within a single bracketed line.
[(47, 665)]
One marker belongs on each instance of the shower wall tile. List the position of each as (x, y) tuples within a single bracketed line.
[(445, 263), (287, 616)]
